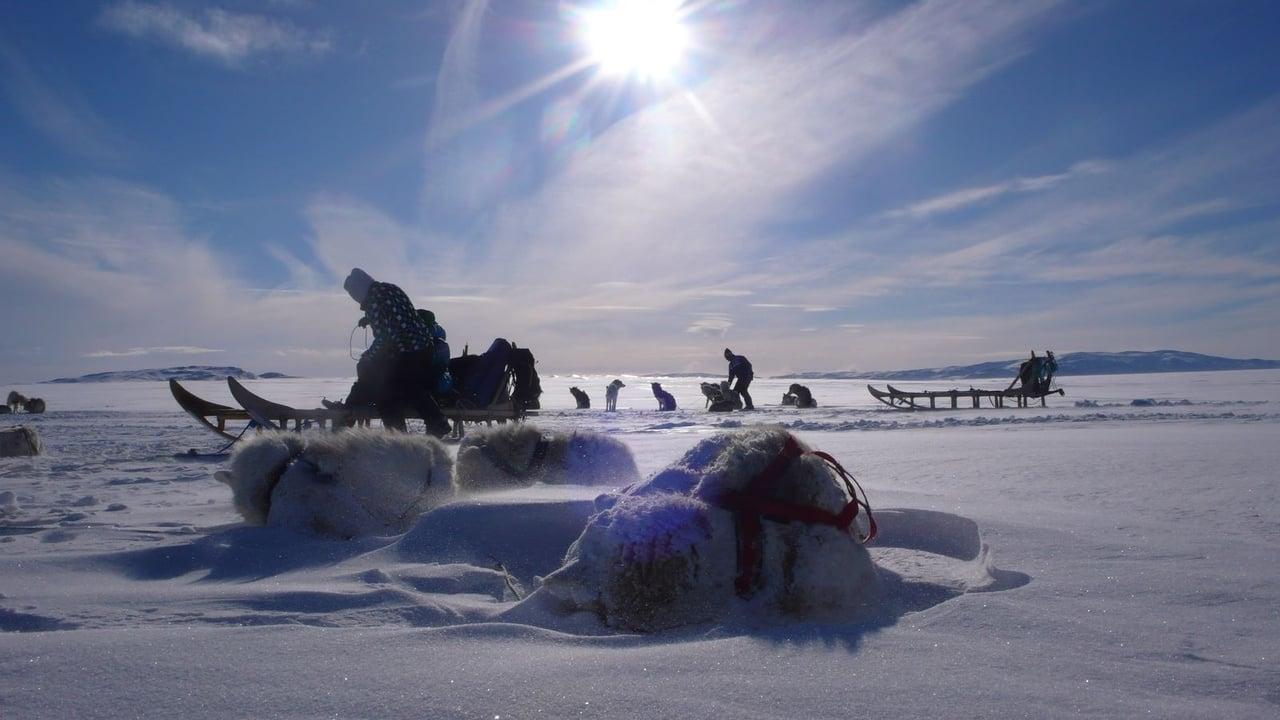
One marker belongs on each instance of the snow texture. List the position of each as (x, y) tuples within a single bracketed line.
[(348, 484), (1112, 561), (521, 454), (664, 554)]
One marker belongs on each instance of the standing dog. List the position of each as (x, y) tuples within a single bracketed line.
[(611, 394)]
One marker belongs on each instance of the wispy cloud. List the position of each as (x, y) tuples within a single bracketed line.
[(212, 34), (968, 197), (161, 350), (59, 112), (712, 324)]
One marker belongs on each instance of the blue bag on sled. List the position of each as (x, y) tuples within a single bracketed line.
[(482, 381)]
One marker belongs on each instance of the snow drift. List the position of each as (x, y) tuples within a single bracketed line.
[(348, 484), (669, 551), (520, 454)]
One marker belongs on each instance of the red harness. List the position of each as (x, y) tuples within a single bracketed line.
[(750, 507)]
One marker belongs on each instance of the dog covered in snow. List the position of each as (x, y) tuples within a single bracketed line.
[(347, 484), (611, 394), (15, 400), (581, 398), (519, 455), (746, 522)]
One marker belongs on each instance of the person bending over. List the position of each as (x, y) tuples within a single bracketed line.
[(740, 368)]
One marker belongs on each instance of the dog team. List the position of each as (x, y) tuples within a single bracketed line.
[(724, 396)]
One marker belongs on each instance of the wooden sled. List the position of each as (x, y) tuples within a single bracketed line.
[(210, 414), (904, 400), (279, 417)]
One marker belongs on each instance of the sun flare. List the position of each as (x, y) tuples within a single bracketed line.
[(640, 38)]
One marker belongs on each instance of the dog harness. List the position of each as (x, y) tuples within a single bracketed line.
[(750, 507)]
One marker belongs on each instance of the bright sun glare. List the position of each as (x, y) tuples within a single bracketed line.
[(641, 38)]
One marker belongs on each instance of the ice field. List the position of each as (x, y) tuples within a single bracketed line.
[(1130, 568)]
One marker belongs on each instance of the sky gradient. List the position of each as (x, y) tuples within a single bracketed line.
[(818, 185)]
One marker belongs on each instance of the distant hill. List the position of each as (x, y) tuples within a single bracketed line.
[(1079, 363), (184, 373)]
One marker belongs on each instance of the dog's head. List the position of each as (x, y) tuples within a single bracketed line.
[(617, 384), (657, 388)]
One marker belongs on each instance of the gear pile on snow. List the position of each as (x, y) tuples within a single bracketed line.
[(519, 455), (20, 441), (348, 484), (750, 521)]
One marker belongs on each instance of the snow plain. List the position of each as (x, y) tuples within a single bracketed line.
[(1134, 569)]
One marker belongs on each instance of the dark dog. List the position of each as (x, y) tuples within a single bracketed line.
[(799, 396), (583, 400), (666, 401), (721, 398)]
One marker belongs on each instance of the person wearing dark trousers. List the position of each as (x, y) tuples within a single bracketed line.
[(740, 368), (395, 372)]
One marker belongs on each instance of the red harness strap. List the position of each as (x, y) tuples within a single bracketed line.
[(751, 506)]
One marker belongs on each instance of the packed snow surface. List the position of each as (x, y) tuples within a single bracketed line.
[(1110, 560)]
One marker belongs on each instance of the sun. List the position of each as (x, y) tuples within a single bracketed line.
[(638, 38)]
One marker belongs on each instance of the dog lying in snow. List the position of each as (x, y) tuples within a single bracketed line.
[(693, 542), (346, 484), (799, 396), (581, 398), (611, 394), (519, 454), (17, 401)]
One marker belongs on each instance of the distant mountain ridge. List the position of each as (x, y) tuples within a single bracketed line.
[(184, 373), (1077, 363)]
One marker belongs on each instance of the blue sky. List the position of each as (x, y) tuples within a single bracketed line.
[(818, 185)]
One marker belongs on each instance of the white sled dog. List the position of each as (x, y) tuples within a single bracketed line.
[(520, 454), (611, 394), (344, 485), (750, 522)]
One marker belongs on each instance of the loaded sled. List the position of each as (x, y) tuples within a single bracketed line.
[(928, 399), (496, 386), (1034, 379)]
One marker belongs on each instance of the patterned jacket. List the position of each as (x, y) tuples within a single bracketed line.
[(396, 326)]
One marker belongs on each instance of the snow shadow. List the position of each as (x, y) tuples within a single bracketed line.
[(237, 554), (527, 539), (923, 558)]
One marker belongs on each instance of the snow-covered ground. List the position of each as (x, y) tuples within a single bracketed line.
[(1134, 551)]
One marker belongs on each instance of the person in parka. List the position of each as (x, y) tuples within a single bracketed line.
[(740, 368), (395, 372)]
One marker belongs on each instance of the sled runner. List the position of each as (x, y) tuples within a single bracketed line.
[(904, 400), (210, 414)]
